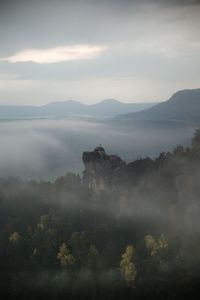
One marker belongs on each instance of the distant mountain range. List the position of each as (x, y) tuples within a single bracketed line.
[(106, 108), (182, 106)]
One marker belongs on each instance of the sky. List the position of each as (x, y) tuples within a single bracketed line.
[(90, 50)]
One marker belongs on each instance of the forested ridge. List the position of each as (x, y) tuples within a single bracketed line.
[(137, 239)]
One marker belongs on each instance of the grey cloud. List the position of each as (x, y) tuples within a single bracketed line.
[(45, 23), (154, 40)]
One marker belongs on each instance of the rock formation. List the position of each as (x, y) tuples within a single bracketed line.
[(102, 170)]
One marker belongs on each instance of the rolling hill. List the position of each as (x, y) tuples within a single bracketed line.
[(106, 108), (184, 106)]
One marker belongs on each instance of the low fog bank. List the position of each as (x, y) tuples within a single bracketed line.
[(48, 148), (64, 240)]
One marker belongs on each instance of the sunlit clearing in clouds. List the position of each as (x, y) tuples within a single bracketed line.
[(54, 55)]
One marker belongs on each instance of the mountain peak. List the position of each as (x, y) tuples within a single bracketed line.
[(65, 102), (183, 106), (110, 101), (106, 108), (186, 95)]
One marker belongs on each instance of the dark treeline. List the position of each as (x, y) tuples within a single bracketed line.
[(136, 240)]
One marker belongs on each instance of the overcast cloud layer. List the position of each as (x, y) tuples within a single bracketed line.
[(90, 50)]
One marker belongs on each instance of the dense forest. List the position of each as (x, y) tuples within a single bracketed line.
[(137, 239)]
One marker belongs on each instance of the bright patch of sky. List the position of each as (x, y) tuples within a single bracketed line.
[(55, 55), (89, 50)]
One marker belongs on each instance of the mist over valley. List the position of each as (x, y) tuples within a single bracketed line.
[(48, 148), (45, 148), (100, 150)]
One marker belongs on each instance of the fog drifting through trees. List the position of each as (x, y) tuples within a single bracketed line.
[(63, 239), (46, 149)]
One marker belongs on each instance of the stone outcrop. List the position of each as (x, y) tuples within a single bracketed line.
[(102, 170)]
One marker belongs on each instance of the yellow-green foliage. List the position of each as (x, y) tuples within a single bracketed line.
[(93, 252), (40, 226), (163, 244), (44, 220), (153, 245), (14, 237), (127, 266), (64, 257)]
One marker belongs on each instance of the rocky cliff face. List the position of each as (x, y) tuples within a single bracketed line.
[(102, 170)]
